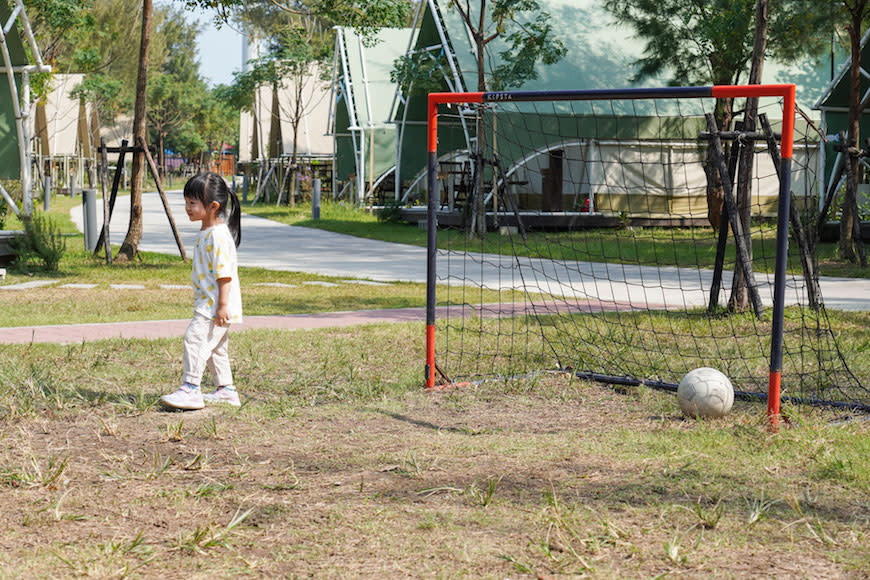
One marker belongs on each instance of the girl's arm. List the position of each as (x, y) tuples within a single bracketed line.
[(222, 316)]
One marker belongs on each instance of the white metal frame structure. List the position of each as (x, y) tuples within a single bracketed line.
[(21, 105), (341, 84), (454, 81)]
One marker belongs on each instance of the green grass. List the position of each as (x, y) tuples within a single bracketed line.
[(338, 464), (645, 246), (342, 218), (663, 346), (54, 305)]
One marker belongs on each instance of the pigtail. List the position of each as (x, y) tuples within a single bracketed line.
[(209, 187), (234, 223)]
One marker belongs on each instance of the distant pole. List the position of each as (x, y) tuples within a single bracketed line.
[(46, 192), (89, 215), (104, 188), (245, 186), (315, 198)]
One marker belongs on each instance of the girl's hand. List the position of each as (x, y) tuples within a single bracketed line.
[(222, 316)]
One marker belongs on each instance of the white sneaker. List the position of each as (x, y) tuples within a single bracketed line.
[(223, 395), (184, 398)]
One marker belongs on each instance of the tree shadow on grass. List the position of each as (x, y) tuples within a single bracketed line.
[(420, 423), (139, 401)]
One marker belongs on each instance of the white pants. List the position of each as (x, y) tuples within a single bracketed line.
[(205, 344)]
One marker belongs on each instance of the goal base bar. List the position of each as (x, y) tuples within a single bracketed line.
[(743, 395)]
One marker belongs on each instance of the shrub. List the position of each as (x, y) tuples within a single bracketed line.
[(391, 212), (4, 209), (41, 242)]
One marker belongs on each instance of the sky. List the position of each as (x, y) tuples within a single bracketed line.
[(220, 51)]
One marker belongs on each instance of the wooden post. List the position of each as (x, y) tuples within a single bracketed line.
[(743, 260), (153, 168), (104, 235), (722, 240), (851, 198), (120, 169)]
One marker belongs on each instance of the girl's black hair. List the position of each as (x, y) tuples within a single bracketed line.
[(208, 187)]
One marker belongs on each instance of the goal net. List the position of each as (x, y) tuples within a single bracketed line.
[(601, 258)]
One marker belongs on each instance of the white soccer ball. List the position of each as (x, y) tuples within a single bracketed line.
[(705, 392)]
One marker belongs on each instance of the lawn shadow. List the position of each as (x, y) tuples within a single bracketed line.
[(138, 401), (419, 422)]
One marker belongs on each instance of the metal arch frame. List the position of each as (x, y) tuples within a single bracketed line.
[(455, 83), (21, 102), (357, 132)]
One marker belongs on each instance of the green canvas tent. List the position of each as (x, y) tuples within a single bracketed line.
[(600, 54), (10, 163), (833, 105), (365, 140), (15, 122)]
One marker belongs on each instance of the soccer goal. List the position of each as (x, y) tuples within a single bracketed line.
[(629, 240)]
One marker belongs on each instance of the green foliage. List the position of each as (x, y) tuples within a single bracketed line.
[(4, 209), (293, 54), (99, 38), (420, 73), (696, 43), (174, 96), (391, 212), (711, 42), (524, 27), (102, 90), (41, 242), (366, 16), (59, 25), (529, 42)]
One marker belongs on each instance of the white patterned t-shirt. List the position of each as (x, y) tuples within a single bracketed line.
[(214, 257)]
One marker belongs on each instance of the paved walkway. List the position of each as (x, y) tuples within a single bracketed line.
[(276, 246), (271, 245)]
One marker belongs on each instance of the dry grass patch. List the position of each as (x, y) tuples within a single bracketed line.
[(339, 465)]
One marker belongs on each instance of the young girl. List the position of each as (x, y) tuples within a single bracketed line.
[(217, 301)]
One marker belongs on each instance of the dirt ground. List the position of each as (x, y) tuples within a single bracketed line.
[(486, 482)]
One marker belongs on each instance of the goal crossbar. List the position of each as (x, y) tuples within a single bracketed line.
[(786, 92)]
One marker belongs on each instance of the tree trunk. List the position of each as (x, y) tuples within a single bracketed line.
[(293, 170), (297, 118), (161, 156), (275, 137), (723, 113), (847, 250), (130, 246), (739, 300), (478, 223)]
